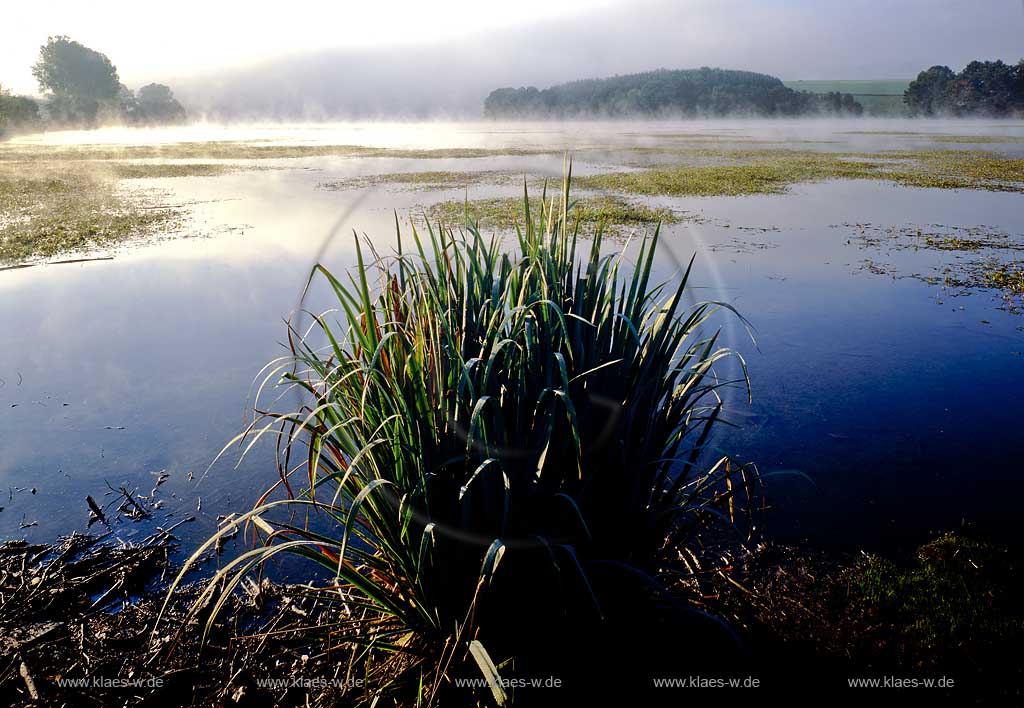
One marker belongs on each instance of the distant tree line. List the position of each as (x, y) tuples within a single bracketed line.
[(686, 92), (81, 89), (17, 113), (983, 88)]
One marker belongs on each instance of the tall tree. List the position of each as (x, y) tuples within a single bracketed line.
[(78, 80), (156, 104), (990, 88), (928, 94), (984, 87)]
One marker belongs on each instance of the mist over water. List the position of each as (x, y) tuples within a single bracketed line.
[(439, 134), (449, 78)]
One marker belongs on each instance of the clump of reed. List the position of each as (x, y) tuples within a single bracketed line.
[(503, 463)]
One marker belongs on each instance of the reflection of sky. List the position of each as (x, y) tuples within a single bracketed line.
[(900, 408)]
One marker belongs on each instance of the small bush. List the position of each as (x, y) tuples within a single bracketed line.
[(505, 453), (956, 599)]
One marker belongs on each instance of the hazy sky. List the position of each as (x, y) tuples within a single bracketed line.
[(193, 44), (150, 39)]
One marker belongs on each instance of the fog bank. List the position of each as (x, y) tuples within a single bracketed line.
[(793, 40)]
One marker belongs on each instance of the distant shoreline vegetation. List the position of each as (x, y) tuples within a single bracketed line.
[(81, 89), (879, 97), (668, 93), (983, 88)]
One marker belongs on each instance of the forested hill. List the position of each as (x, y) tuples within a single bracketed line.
[(689, 92)]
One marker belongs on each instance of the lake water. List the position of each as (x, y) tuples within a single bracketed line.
[(899, 399)]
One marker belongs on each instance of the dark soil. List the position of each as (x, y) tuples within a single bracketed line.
[(79, 627), (954, 611)]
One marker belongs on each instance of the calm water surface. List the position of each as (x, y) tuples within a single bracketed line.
[(900, 400)]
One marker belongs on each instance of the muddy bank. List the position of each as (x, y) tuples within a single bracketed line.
[(952, 610), (79, 626)]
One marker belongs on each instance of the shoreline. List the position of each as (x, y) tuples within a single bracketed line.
[(82, 623)]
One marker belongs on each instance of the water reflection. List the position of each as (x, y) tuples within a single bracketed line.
[(902, 409)]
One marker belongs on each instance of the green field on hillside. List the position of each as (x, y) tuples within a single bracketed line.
[(883, 97)]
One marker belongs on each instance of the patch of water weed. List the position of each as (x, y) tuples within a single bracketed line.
[(958, 169), (940, 237), (992, 274), (770, 173), (616, 213), (738, 245), (164, 170), (774, 171), (980, 261), (1008, 277), (55, 209), (427, 181)]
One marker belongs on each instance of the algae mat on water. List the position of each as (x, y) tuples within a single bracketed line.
[(773, 172), (49, 210), (616, 214)]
